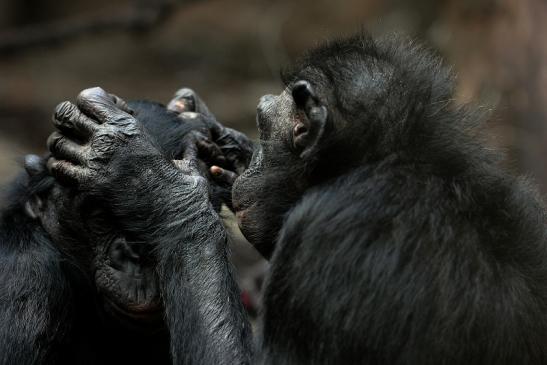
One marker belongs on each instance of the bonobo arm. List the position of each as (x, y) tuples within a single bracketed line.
[(35, 314), (165, 205)]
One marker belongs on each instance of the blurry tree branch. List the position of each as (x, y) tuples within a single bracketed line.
[(144, 15)]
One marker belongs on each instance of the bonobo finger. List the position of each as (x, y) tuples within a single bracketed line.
[(65, 172), (186, 100), (210, 152), (34, 165), (65, 149), (69, 119), (223, 176), (100, 105)]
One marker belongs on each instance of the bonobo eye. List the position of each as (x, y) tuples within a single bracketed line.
[(302, 93)]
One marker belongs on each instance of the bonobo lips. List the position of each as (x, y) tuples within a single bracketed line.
[(241, 214)]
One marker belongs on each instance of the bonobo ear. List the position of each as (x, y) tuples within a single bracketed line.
[(309, 129)]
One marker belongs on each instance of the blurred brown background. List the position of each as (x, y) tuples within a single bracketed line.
[(231, 53)]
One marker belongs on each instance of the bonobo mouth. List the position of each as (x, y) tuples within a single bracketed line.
[(240, 217)]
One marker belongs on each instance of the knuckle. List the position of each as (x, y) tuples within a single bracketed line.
[(128, 129), (84, 126), (103, 143), (59, 168)]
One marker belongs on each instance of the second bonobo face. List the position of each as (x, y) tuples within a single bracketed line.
[(290, 126), (334, 113)]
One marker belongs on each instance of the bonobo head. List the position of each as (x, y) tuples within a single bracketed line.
[(121, 268), (345, 104)]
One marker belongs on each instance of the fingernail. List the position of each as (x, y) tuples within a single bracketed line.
[(217, 171)]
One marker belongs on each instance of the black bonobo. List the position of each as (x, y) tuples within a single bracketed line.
[(393, 235), (74, 286)]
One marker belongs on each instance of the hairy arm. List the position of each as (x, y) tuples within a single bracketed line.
[(207, 322)]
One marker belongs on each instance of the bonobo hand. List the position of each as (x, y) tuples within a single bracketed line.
[(236, 147), (91, 135), (101, 149)]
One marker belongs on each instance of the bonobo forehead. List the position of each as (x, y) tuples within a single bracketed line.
[(333, 59), (349, 73), (331, 53)]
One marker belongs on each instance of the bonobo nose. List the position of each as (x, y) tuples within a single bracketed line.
[(265, 101)]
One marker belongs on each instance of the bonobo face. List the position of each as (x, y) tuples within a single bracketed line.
[(335, 113), (290, 126)]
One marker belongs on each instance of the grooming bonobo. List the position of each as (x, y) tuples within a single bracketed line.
[(393, 235)]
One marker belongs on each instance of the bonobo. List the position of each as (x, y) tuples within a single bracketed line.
[(75, 288), (393, 235)]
